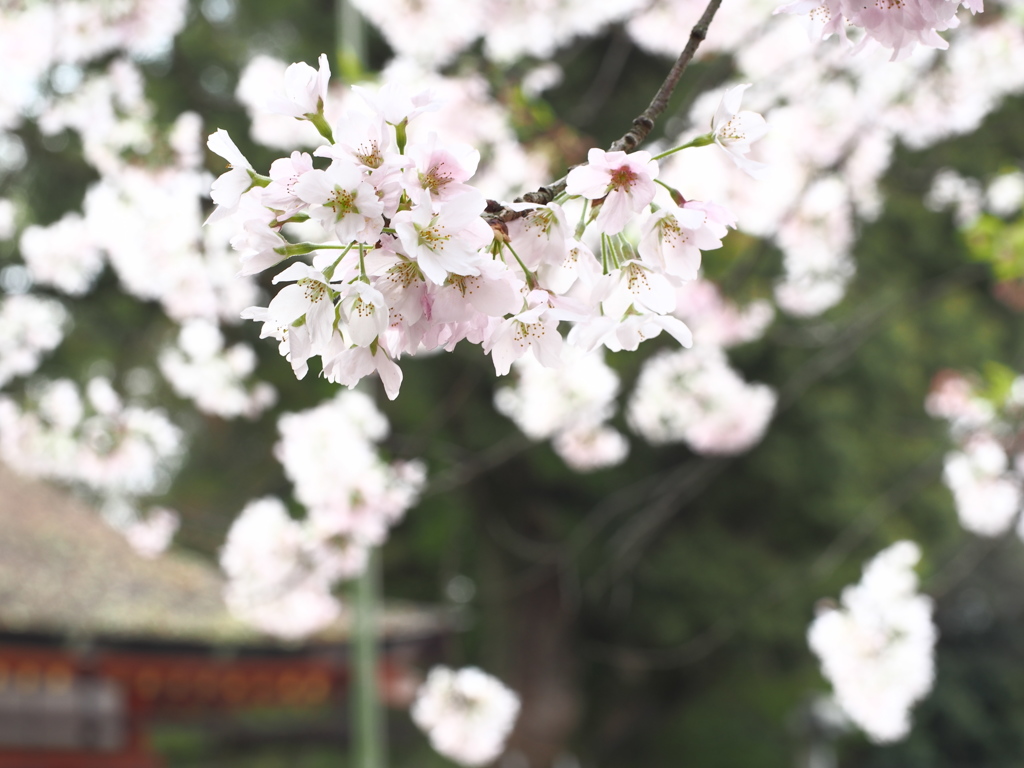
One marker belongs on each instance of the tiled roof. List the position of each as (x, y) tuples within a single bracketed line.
[(64, 571)]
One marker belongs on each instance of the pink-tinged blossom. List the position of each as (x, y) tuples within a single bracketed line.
[(429, 33), (495, 292), (716, 321), (151, 535), (294, 343), (899, 25), (262, 81), (449, 240), (257, 237), (285, 172), (545, 401), (877, 648), (228, 187), (672, 239), (343, 202), (466, 713), (577, 263), (441, 169), (902, 24), (361, 138), (955, 398), (305, 89), (400, 281), (350, 366), (539, 235), (669, 241), (62, 255), (30, 327), (199, 367), (636, 288), (329, 455), (624, 182), (734, 131), (591, 447), (533, 328), (118, 452), (569, 406)]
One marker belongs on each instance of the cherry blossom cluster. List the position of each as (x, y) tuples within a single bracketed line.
[(898, 25), (694, 396), (410, 258), (688, 396), (281, 570), (30, 327), (466, 713), (986, 471), (279, 573), (835, 120), (877, 647), (151, 534), (1002, 195), (464, 111), (98, 441), (569, 406), (215, 378), (433, 32), (116, 452), (36, 36)]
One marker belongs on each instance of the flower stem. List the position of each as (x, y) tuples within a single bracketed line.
[(329, 272), (700, 141), (583, 219), (531, 278), (300, 249), (362, 264), (320, 123)]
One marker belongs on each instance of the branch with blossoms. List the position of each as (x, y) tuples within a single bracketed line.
[(407, 263), (406, 256)]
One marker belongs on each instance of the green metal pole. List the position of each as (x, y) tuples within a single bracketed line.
[(351, 37), (369, 739)]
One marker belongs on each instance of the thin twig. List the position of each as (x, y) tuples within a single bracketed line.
[(644, 123)]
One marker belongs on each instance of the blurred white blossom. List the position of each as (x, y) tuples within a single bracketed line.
[(694, 396), (466, 713), (877, 648)]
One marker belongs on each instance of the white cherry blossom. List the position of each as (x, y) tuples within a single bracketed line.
[(305, 89), (448, 241), (734, 131), (229, 186)]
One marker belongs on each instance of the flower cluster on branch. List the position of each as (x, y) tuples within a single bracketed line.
[(411, 258)]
